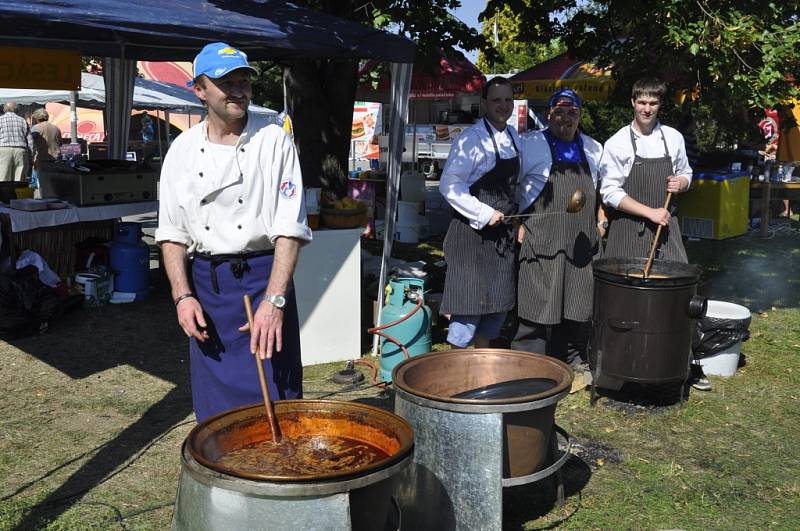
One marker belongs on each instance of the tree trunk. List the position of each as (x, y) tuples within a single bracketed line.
[(320, 95)]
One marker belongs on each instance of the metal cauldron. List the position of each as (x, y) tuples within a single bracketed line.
[(467, 450), (642, 326), (213, 498)]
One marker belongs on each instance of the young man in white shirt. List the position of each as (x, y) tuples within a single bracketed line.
[(641, 163), (231, 222), (479, 181)]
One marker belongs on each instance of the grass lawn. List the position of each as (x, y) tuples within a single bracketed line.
[(94, 411)]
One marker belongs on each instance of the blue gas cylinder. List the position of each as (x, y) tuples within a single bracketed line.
[(130, 260), (404, 295)]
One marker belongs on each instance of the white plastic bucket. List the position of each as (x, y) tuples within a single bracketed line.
[(407, 213), (406, 233), (726, 362)]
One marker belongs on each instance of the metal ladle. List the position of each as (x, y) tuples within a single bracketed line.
[(576, 203)]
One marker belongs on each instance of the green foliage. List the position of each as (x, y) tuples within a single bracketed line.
[(600, 120), (268, 86), (513, 53), (735, 54)]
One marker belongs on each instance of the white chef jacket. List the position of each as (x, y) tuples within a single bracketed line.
[(471, 157), (617, 159), (231, 199), (537, 162)]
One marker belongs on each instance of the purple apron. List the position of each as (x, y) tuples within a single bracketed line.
[(224, 373)]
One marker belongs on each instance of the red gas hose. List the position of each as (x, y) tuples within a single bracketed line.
[(377, 331)]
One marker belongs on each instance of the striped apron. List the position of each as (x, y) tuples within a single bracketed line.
[(555, 260), (223, 371), (481, 264), (631, 236)]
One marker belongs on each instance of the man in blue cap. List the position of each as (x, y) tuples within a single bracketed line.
[(231, 222), (555, 282)]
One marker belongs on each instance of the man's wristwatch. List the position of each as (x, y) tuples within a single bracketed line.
[(602, 224), (279, 301)]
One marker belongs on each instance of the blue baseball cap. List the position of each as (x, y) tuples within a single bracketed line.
[(218, 59), (565, 93)]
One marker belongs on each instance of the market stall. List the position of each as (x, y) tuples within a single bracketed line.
[(264, 29), (54, 233), (538, 83)]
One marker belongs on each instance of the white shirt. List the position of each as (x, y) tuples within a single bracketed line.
[(617, 160), (231, 199), (537, 162), (471, 157)]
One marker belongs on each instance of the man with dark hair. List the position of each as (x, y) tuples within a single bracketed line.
[(555, 286), (479, 181), (494, 82), (641, 163), (231, 222), (16, 145)]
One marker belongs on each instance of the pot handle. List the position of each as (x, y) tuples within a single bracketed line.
[(622, 326), (697, 306)]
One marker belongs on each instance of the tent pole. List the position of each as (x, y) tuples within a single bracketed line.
[(414, 136), (166, 125), (73, 117), (158, 119), (401, 86)]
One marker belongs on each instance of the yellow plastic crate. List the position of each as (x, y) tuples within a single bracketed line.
[(716, 206)]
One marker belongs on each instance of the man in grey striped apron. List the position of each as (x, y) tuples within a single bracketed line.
[(641, 163), (479, 181), (555, 283)]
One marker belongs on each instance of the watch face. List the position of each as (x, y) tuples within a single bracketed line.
[(279, 301)]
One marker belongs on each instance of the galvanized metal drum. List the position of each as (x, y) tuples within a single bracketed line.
[(483, 419), (212, 497)]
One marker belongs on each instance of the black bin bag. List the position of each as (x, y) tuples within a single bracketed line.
[(713, 335)]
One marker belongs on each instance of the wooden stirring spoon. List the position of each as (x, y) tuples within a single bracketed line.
[(657, 237), (273, 421)]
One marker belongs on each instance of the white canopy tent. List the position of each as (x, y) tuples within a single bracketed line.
[(147, 95)]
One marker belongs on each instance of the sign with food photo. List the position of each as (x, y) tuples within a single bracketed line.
[(365, 131)]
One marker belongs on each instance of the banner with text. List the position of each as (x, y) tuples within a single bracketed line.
[(39, 68)]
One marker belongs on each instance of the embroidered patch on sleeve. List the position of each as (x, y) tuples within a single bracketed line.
[(288, 189)]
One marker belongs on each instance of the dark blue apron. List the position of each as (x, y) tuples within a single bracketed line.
[(224, 373)]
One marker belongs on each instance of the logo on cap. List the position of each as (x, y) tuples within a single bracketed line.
[(218, 59)]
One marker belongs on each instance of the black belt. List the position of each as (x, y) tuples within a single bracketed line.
[(237, 261)]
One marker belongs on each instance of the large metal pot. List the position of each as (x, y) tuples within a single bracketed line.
[(211, 497), (468, 449), (642, 326)]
